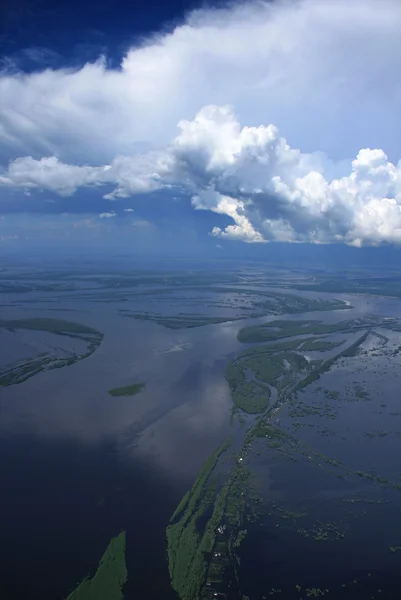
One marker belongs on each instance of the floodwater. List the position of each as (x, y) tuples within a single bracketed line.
[(78, 466)]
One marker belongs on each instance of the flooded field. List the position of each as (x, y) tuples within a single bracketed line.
[(297, 391)]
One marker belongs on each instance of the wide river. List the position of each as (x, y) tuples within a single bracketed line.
[(78, 466)]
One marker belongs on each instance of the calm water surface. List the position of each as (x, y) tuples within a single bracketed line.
[(78, 466)]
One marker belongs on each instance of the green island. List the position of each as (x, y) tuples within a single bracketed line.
[(251, 374), (250, 396), (24, 369), (128, 390), (110, 577), (177, 321)]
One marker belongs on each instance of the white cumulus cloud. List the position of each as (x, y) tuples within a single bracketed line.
[(270, 190), (324, 74)]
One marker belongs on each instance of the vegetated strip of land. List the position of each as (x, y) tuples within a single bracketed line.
[(110, 577), (378, 286), (128, 390), (178, 321), (22, 370), (58, 326), (186, 544), (262, 303), (206, 530), (276, 330)]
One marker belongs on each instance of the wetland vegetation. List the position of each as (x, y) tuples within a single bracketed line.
[(110, 577), (128, 390), (26, 368), (276, 330), (192, 530), (281, 364), (243, 302), (207, 529)]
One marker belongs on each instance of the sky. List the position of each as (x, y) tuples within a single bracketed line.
[(176, 126)]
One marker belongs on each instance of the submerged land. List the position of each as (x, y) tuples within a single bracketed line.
[(270, 378), (302, 500), (26, 368)]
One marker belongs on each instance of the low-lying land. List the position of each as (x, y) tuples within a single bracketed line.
[(128, 390), (187, 541), (209, 524), (110, 577), (207, 529), (178, 321), (238, 302), (276, 330), (24, 369)]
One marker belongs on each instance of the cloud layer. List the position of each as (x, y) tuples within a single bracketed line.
[(270, 190), (325, 73)]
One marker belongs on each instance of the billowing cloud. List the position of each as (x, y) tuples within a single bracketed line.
[(133, 175), (325, 73), (107, 215), (270, 190)]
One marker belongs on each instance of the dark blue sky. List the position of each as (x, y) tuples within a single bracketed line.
[(58, 33)]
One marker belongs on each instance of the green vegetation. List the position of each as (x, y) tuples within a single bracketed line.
[(276, 330), (327, 364), (381, 285), (275, 438), (250, 375), (270, 369), (235, 502), (203, 538), (271, 348), (206, 530), (312, 344), (248, 395), (179, 322), (22, 370), (110, 577), (25, 369), (255, 369), (245, 302), (191, 498), (128, 390), (187, 541), (52, 325)]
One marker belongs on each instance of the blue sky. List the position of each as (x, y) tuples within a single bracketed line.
[(164, 126)]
